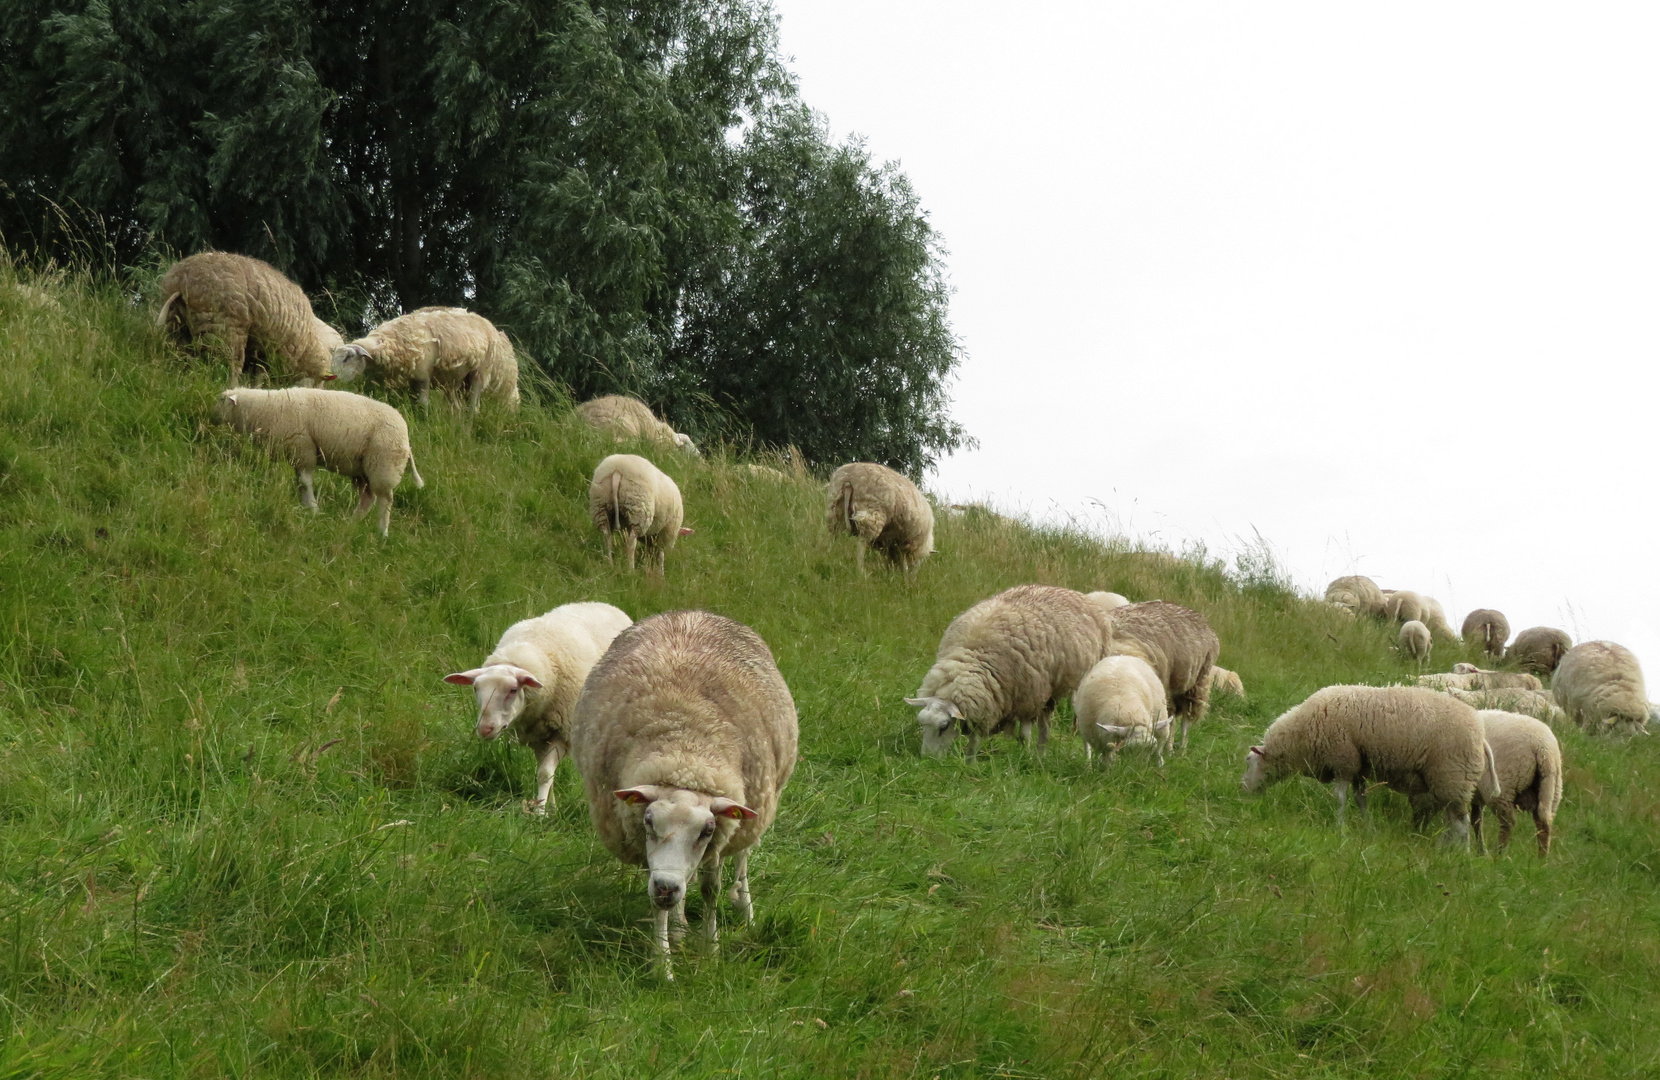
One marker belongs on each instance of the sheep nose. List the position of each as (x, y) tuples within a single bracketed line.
[(665, 892)]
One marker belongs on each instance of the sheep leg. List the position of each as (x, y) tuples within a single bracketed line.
[(973, 745), (1475, 829), (475, 392), (364, 497), (1542, 825), (631, 543), (1507, 821), (1341, 789), (236, 343), (1458, 826), (606, 530), (662, 936), (420, 388), (1026, 733), (1360, 793), (708, 883), (740, 888), (1043, 731), (385, 513), (679, 930), (859, 558), (547, 761), (662, 562), (308, 495)]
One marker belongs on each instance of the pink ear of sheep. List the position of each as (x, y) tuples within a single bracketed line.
[(685, 531), (1257, 750), (729, 809)]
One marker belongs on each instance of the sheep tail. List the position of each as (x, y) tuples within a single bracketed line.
[(1489, 785), (416, 473), (847, 510), (616, 500), (1550, 784), (167, 309)]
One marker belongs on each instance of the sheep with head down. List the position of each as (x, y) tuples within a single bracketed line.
[(452, 348), (1357, 593), (1120, 704), (1178, 643), (245, 307), (1600, 686), (631, 418), (1487, 628), (883, 510)]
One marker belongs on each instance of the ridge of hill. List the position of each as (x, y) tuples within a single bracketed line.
[(249, 831)]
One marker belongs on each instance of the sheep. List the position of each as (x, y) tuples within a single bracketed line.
[(1358, 593), (1007, 661), (1402, 605), (1489, 628), (1435, 618), (884, 510), (1539, 649), (632, 496), (1415, 640), (628, 418), (1600, 686), (1120, 703), (1223, 681), (348, 434), (1538, 704), (236, 303), (1528, 762), (453, 347), (1180, 646), (1106, 601), (532, 678), (1477, 679), (685, 736), (1417, 741)]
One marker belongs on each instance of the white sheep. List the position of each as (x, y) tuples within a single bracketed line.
[(1539, 649), (236, 303), (628, 418), (1179, 645), (1358, 593), (1600, 686), (1120, 703), (632, 496), (1487, 628), (1418, 742), (1415, 640), (884, 510), (1223, 681), (459, 350), (1528, 762), (533, 676), (685, 736), (354, 436), (1007, 661), (1538, 704)]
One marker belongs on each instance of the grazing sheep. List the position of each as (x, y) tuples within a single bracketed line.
[(1539, 649), (1223, 681), (1488, 628), (1358, 593), (1120, 703), (460, 351), (1417, 741), (1600, 686), (1415, 640), (238, 303), (532, 678), (632, 496), (1435, 618), (1538, 704), (1179, 644), (354, 436), (1007, 661), (1477, 679), (1529, 766), (628, 418), (1402, 605), (685, 735), (884, 510)]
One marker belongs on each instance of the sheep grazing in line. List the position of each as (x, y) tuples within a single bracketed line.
[(685, 736), (1600, 686), (628, 418), (1528, 761), (532, 678), (1223, 681), (1478, 679), (1415, 640), (1538, 704), (1358, 593), (1420, 743), (1539, 649), (1402, 605), (632, 496), (1487, 628), (242, 306), (354, 436), (1007, 661), (458, 350), (1179, 644), (884, 510), (1119, 704)]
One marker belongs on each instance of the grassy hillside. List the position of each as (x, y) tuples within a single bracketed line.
[(248, 831)]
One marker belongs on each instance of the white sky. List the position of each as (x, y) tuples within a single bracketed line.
[(1377, 281)]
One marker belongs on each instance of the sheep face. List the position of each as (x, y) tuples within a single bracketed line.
[(1256, 771), (500, 691), (348, 363), (939, 720), (684, 442), (1133, 736), (678, 825), (224, 410)]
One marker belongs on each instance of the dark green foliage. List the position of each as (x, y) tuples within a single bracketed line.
[(570, 169)]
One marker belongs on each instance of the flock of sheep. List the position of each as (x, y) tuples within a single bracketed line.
[(682, 726)]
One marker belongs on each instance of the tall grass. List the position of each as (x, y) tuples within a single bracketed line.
[(249, 832)]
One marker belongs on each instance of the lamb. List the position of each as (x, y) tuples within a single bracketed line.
[(453, 347), (1007, 661), (685, 735), (236, 303), (1477, 679), (1415, 640), (1539, 649), (1223, 681), (628, 418), (632, 496), (1538, 704), (1600, 686), (354, 436), (1120, 703), (1179, 644), (1358, 593), (1529, 766), (884, 510), (1402, 605), (532, 678), (1418, 742), (1488, 628)]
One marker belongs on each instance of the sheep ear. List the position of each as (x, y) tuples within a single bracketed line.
[(464, 678), (639, 796), (917, 702), (527, 679), (1114, 730), (728, 809), (1161, 725), (684, 531), (1257, 750)]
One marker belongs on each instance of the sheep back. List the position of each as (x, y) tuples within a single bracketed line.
[(1528, 760), (630, 493), (1535, 703), (1178, 644), (1488, 628), (559, 648), (1599, 685), (624, 417), (1358, 593), (883, 508), (240, 301), (1539, 648)]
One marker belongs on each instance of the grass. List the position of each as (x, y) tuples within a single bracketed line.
[(247, 830)]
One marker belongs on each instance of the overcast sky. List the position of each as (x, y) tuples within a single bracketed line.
[(1378, 282)]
